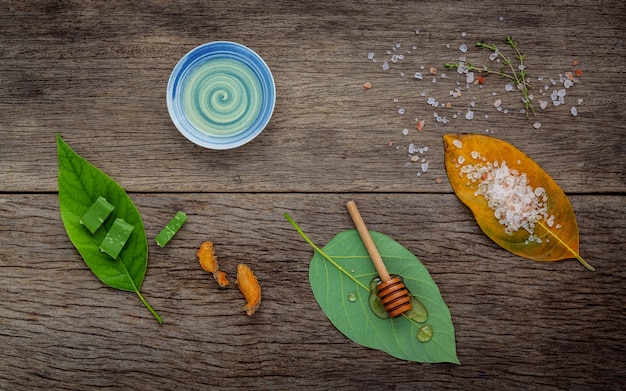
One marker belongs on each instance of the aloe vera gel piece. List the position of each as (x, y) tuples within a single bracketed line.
[(116, 238), (97, 213), (168, 232)]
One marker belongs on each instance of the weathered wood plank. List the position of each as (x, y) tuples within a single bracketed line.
[(519, 324), (97, 72)]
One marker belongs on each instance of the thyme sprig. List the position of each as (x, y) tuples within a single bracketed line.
[(517, 76)]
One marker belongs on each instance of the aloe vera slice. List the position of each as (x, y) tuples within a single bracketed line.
[(168, 232), (97, 213), (116, 238)]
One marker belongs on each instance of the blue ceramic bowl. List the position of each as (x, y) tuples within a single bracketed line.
[(221, 95)]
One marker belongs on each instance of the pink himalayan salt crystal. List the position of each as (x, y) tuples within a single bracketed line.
[(514, 202)]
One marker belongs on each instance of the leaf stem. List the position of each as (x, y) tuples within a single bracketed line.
[(145, 303), (576, 255), (158, 318), (323, 254)]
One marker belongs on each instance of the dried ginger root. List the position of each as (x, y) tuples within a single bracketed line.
[(249, 287), (208, 261)]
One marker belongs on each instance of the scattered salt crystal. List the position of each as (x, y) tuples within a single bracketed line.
[(457, 143), (543, 104), (370, 55), (418, 75), (497, 103), (568, 83), (463, 34), (385, 66), (493, 56), (475, 154), (412, 148), (463, 48), (537, 125), (470, 77), (461, 159), (401, 111), (417, 31), (415, 158), (405, 131), (574, 111), (425, 166), (540, 78), (469, 114), (508, 87), (580, 101), (514, 202), (561, 92)]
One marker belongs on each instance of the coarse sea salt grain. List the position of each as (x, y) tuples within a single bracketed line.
[(514, 202), (385, 66), (370, 55), (457, 143), (574, 111)]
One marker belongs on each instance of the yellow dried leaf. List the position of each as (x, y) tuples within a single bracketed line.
[(515, 202), (249, 287)]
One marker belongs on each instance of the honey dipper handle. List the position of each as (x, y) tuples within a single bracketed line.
[(368, 242)]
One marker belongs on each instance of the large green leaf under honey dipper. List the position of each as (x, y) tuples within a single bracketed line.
[(340, 275), (515, 202)]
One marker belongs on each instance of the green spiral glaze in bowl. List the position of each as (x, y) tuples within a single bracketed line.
[(221, 95)]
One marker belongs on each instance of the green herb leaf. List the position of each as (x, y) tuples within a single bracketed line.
[(340, 276), (168, 232), (80, 185)]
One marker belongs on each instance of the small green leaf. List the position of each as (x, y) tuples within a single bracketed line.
[(96, 214), (340, 275), (80, 185), (168, 232)]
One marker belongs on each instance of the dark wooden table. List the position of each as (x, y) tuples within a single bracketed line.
[(96, 72)]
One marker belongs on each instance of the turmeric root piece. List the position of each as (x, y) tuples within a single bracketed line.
[(249, 287), (208, 261), (221, 279)]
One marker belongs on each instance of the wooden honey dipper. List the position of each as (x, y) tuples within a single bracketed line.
[(393, 295)]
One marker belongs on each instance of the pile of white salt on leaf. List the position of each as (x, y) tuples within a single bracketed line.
[(515, 203)]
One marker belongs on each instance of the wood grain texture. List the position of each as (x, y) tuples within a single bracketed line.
[(519, 324), (96, 72)]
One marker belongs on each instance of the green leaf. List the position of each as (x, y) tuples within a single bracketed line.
[(80, 185), (342, 271)]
